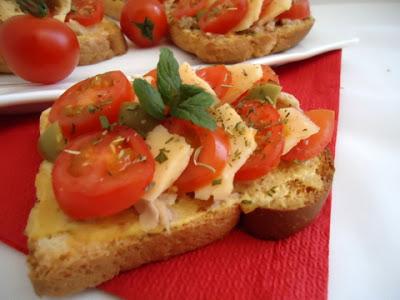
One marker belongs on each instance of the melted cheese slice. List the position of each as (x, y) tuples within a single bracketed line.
[(252, 15), (242, 145), (189, 76), (243, 78), (274, 9), (297, 127), (177, 153)]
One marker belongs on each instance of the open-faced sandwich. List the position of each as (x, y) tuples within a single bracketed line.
[(231, 31), (132, 176), (99, 38)]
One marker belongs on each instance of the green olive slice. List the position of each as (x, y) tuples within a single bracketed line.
[(267, 92), (133, 116), (51, 142)]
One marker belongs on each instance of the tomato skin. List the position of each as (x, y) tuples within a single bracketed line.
[(83, 184), (316, 143), (46, 53), (189, 8), (269, 75), (300, 10), (137, 12), (218, 77), (270, 141), (214, 152), (86, 12), (78, 109), (218, 19)]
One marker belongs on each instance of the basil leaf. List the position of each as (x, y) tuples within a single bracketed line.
[(168, 79), (149, 98), (188, 90), (195, 109)]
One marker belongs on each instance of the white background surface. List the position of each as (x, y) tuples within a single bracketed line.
[(365, 231)]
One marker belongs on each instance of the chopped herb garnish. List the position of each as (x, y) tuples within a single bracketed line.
[(246, 202), (169, 140), (162, 156), (105, 124), (73, 152), (216, 181)]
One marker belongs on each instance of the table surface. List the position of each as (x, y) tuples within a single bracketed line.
[(365, 233)]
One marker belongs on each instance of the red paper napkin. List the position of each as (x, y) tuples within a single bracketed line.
[(237, 267)]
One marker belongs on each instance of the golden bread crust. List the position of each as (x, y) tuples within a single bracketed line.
[(97, 45), (234, 47), (273, 223), (113, 8)]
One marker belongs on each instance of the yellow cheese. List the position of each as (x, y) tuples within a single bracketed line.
[(242, 145), (297, 126), (252, 15), (243, 78), (177, 155), (188, 76), (275, 8)]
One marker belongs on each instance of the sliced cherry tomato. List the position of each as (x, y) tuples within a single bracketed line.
[(79, 108), (209, 158), (218, 77), (100, 175), (86, 12), (265, 6), (266, 119), (223, 16), (42, 50), (153, 74), (189, 8), (316, 143), (300, 9), (268, 75), (144, 22)]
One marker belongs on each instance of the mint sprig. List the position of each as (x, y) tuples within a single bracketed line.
[(185, 101), (149, 98)]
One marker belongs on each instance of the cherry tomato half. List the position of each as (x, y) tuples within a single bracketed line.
[(316, 143), (223, 16), (212, 148), (218, 77), (100, 175), (42, 50), (79, 108), (86, 12), (270, 142), (300, 9), (144, 22), (189, 8)]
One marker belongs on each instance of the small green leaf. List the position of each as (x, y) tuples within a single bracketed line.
[(149, 98), (216, 181), (188, 90), (168, 79), (146, 28)]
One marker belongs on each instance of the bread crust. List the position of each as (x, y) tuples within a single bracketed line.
[(72, 265), (95, 46), (273, 224), (234, 48), (113, 8)]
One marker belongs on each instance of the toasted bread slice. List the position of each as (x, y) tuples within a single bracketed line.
[(97, 43), (288, 199), (228, 48)]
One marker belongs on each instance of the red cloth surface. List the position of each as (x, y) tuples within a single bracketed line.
[(237, 267)]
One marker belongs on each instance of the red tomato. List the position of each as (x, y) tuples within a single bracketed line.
[(86, 12), (266, 119), (265, 6), (316, 143), (79, 108), (189, 8), (223, 16), (218, 77), (42, 50), (214, 151), (268, 75), (144, 22), (300, 10), (100, 175)]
